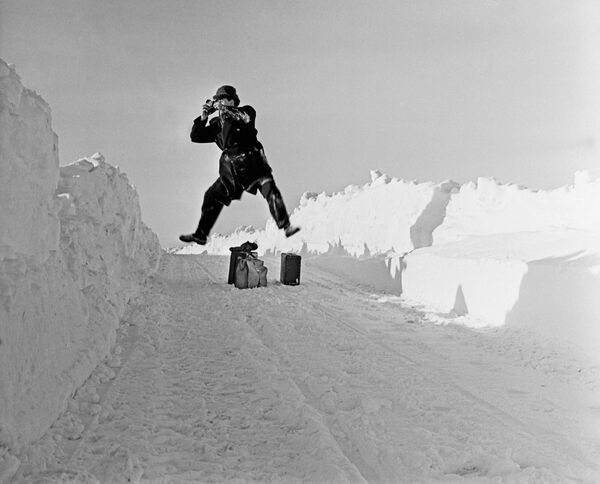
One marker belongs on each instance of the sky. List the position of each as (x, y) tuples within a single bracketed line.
[(424, 90)]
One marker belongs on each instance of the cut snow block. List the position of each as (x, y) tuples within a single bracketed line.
[(290, 269)]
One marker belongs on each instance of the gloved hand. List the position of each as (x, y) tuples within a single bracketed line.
[(208, 108)]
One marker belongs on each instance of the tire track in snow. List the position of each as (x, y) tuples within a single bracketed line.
[(532, 430), (310, 412), (290, 393), (303, 396), (427, 371), (103, 391), (119, 362), (487, 411), (201, 398), (210, 274), (350, 442)]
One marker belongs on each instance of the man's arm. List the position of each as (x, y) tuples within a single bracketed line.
[(245, 114), (201, 133)]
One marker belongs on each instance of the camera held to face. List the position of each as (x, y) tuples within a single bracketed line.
[(210, 106)]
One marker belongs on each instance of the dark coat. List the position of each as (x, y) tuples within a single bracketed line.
[(243, 163)]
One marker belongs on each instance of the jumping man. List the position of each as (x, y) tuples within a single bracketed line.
[(243, 165)]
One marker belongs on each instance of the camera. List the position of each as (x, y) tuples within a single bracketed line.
[(209, 106)]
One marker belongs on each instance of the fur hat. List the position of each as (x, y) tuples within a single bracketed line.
[(227, 92)]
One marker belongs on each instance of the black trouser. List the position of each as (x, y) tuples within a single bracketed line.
[(218, 195)]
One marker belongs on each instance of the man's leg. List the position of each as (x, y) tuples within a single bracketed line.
[(275, 201), (277, 207), (215, 197)]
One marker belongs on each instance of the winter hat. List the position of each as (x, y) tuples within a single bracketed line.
[(227, 92)]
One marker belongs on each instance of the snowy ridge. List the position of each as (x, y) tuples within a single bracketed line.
[(73, 251), (29, 169), (390, 215), (385, 215), (488, 207), (507, 255)]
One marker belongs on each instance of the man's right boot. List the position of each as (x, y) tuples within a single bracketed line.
[(200, 239)]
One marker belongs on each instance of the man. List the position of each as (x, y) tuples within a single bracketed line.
[(243, 165)]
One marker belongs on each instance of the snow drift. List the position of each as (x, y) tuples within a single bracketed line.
[(385, 215), (480, 254), (509, 255), (73, 250)]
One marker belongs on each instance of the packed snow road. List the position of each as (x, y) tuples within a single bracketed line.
[(322, 382)]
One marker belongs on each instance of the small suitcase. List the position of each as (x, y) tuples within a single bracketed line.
[(290, 269)]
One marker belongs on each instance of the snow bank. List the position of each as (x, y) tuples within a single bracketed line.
[(388, 215), (488, 207), (73, 250), (382, 216), (508, 255), (544, 280)]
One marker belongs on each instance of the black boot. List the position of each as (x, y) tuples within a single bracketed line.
[(291, 230), (200, 239)]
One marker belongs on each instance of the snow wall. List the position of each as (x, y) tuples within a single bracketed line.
[(479, 254), (384, 216), (73, 251), (507, 255)]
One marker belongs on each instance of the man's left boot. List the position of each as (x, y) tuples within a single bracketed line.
[(291, 230)]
